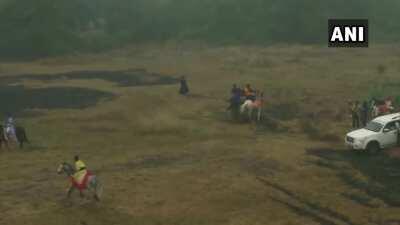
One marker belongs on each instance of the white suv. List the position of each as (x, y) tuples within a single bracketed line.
[(378, 134)]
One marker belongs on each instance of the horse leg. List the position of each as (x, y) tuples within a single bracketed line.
[(15, 139), (6, 143), (259, 114), (81, 194), (250, 113), (95, 185), (21, 137), (25, 137), (70, 190), (96, 196), (242, 108), (5, 139)]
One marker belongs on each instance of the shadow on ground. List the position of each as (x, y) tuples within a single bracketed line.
[(380, 174)]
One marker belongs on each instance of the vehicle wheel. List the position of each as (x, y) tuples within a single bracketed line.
[(373, 148)]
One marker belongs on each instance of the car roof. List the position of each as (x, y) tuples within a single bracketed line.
[(387, 118)]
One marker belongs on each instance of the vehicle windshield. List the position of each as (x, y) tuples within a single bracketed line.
[(374, 126)]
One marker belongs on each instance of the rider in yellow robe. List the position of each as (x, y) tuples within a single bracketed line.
[(80, 170)]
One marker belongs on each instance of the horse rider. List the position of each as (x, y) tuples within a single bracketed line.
[(249, 93), (80, 168), (9, 127)]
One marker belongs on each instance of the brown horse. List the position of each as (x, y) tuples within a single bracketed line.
[(20, 134)]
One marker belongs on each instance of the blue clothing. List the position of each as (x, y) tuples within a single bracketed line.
[(235, 98)]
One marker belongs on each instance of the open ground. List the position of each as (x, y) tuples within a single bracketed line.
[(170, 159)]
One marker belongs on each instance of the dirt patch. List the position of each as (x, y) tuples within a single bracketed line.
[(123, 78)]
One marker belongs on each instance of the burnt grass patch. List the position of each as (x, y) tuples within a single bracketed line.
[(20, 99), (23, 101), (380, 173), (125, 78)]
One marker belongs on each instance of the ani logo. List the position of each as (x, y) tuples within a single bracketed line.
[(348, 33)]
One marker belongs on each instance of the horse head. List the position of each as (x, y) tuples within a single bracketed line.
[(65, 168)]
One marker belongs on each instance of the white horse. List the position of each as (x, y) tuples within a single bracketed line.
[(250, 106), (92, 184)]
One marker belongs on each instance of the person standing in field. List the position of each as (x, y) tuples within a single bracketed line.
[(184, 89), (235, 101), (398, 133), (236, 90), (259, 104), (364, 113), (355, 117), (373, 111)]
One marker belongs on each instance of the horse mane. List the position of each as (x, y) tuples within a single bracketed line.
[(69, 167)]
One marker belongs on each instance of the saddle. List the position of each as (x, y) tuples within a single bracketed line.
[(82, 182)]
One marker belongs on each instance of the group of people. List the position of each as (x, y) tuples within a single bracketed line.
[(246, 99), (368, 110)]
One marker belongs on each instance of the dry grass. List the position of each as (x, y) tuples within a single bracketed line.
[(167, 159)]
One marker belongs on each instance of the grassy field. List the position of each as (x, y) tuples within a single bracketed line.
[(168, 159)]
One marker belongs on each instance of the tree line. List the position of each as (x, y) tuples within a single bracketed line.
[(52, 27)]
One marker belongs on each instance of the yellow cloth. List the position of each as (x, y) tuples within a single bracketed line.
[(80, 171), (79, 165)]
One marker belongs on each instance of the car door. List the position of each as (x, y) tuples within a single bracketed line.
[(389, 135)]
